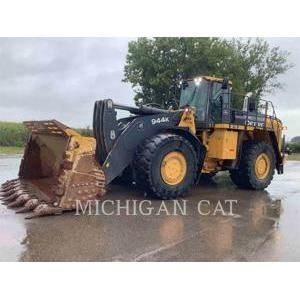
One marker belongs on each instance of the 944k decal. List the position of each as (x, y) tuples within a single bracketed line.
[(159, 120)]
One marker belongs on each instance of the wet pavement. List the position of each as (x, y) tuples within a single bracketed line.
[(262, 226)]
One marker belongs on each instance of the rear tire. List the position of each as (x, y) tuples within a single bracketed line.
[(166, 165), (256, 168)]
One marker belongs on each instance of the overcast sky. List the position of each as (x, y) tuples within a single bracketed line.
[(44, 78)]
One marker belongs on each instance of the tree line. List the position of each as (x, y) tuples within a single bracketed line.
[(153, 64), (15, 134)]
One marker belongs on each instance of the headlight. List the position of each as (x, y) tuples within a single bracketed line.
[(197, 80)]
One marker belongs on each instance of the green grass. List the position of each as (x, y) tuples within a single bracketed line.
[(13, 137), (294, 156), (11, 150), (13, 134)]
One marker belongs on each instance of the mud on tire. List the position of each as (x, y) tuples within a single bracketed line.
[(245, 176), (147, 165)]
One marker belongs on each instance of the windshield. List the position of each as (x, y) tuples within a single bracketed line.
[(195, 95)]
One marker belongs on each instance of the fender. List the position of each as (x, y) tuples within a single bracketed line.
[(184, 132), (141, 128), (279, 156), (137, 131)]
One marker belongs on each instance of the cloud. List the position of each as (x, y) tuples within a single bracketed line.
[(287, 101), (60, 78), (42, 78)]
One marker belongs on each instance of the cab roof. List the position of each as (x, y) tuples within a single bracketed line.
[(210, 78)]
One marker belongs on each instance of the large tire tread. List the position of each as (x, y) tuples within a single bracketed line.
[(143, 165), (244, 177)]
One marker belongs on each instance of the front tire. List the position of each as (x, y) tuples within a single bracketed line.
[(257, 166), (166, 165)]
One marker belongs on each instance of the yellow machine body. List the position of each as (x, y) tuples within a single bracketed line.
[(222, 144), (222, 141)]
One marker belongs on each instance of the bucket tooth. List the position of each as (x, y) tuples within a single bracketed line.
[(9, 182), (20, 201), (14, 196), (11, 190), (44, 210), (7, 193), (30, 205), (9, 187), (8, 198)]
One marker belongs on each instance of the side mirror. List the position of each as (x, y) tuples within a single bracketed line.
[(140, 102), (225, 84)]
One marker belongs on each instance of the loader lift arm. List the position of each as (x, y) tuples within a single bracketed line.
[(115, 148)]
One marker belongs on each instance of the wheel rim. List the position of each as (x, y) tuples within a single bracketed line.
[(262, 166), (173, 168)]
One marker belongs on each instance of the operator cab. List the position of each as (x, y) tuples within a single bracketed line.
[(209, 96)]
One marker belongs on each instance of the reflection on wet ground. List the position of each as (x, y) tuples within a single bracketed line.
[(264, 227)]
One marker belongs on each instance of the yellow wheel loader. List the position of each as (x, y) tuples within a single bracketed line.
[(165, 151)]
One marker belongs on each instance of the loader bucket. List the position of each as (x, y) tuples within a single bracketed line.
[(58, 168)]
